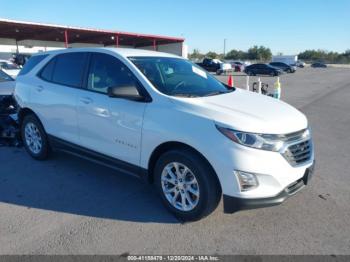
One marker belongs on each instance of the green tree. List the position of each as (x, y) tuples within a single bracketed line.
[(325, 56), (196, 55), (264, 53), (212, 55), (253, 53), (236, 55), (259, 53)]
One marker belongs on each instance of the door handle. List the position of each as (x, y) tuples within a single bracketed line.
[(39, 88), (86, 100), (104, 112)]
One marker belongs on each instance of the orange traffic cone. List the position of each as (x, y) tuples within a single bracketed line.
[(230, 81)]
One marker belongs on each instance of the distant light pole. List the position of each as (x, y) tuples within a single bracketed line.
[(225, 47)]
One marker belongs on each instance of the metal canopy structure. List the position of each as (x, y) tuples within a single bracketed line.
[(19, 31)]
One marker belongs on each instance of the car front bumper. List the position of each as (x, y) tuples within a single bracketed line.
[(234, 204)]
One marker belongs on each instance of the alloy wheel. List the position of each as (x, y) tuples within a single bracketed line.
[(180, 186), (33, 138)]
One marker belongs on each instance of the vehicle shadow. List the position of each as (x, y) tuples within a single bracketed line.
[(73, 185)]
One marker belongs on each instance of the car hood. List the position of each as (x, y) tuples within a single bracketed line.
[(247, 111), (7, 88), (12, 72)]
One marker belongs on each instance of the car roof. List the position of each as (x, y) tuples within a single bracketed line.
[(125, 52)]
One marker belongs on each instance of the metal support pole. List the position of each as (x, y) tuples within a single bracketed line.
[(117, 40), (224, 48), (154, 45), (66, 38), (247, 83), (259, 85), (17, 50)]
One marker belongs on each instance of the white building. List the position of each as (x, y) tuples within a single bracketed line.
[(288, 59)]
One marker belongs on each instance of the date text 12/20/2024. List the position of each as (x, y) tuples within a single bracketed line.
[(173, 258)]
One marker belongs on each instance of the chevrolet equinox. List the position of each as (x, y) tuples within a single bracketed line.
[(161, 117)]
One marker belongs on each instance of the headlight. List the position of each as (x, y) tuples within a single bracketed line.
[(259, 141)]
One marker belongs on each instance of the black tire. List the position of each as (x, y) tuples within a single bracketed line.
[(43, 153), (273, 73), (209, 187)]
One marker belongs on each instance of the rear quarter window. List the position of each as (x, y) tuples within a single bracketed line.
[(31, 63), (46, 72)]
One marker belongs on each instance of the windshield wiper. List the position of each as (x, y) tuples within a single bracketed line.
[(218, 93), (184, 95)]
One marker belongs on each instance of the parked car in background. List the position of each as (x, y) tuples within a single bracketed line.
[(7, 84), (262, 69), (10, 68), (319, 65), (215, 65), (8, 126), (167, 120), (300, 64), (283, 66), (238, 66), (211, 65)]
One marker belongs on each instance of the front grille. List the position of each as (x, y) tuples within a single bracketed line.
[(299, 153), (292, 137)]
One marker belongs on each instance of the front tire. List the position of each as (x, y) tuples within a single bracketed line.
[(34, 137), (187, 184)]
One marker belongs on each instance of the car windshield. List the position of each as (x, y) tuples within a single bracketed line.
[(179, 77), (4, 77), (9, 66)]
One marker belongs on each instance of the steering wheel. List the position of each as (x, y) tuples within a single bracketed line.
[(181, 83)]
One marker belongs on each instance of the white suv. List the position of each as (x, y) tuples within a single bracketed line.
[(162, 117)]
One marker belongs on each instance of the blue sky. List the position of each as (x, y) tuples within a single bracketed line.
[(284, 26)]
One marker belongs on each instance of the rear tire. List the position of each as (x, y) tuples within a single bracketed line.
[(187, 184), (34, 138)]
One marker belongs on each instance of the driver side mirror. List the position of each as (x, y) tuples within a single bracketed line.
[(127, 91)]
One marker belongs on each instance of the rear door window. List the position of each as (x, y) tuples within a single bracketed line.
[(69, 69)]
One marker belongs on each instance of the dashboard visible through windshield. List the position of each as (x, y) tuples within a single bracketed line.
[(179, 77)]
